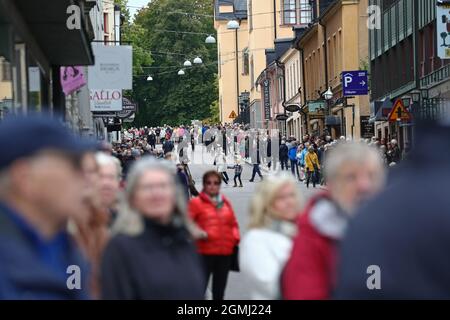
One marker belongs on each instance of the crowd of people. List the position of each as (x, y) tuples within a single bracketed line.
[(81, 220)]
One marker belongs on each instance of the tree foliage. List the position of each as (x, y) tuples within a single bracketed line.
[(170, 98)]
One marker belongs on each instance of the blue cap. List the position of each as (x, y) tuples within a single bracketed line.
[(23, 136)]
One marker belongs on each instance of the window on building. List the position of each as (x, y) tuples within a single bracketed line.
[(280, 89), (289, 12), (250, 15), (245, 62), (105, 23), (305, 11), (5, 70), (252, 73)]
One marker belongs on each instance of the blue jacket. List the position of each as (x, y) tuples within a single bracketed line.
[(301, 158), (293, 153), (34, 269), (405, 231)]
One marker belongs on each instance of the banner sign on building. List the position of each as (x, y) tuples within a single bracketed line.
[(72, 79), (443, 29), (129, 108), (113, 68), (34, 79), (266, 99), (106, 100), (367, 128)]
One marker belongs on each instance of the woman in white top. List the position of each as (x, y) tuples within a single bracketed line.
[(267, 245)]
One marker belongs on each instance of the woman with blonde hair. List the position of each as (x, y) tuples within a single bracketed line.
[(266, 247), (152, 255)]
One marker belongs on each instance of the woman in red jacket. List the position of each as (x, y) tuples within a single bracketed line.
[(213, 213)]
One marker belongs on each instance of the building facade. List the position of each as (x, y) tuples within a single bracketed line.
[(336, 41), (404, 64)]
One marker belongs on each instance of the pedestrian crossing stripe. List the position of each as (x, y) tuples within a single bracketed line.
[(399, 112)]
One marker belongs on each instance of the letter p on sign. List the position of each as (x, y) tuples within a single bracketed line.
[(347, 80)]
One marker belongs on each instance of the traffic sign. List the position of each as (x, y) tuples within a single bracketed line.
[(232, 115), (399, 112), (355, 83)]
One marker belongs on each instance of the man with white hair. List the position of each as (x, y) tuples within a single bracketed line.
[(354, 173), (110, 175), (395, 153)]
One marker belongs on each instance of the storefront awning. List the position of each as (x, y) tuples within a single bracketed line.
[(46, 20), (380, 110)]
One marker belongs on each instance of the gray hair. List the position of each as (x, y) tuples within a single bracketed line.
[(349, 152), (104, 159), (129, 220)]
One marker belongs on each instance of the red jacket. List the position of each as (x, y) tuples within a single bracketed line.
[(220, 225), (310, 272)]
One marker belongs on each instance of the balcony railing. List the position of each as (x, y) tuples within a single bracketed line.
[(436, 77)]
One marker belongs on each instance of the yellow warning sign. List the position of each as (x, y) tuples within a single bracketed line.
[(399, 112), (232, 115)]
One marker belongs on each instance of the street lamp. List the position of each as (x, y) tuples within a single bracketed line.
[(233, 25), (198, 60), (424, 93), (415, 95), (328, 95), (187, 64), (149, 78), (181, 72), (210, 40)]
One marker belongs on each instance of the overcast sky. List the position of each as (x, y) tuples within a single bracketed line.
[(136, 3)]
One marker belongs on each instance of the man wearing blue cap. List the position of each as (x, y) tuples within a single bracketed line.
[(41, 187)]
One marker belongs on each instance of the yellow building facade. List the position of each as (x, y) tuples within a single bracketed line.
[(261, 23), (337, 42)]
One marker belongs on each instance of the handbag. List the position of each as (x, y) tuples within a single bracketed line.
[(235, 259)]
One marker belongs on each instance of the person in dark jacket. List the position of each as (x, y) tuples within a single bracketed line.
[(213, 213), (152, 139), (284, 157), (42, 186), (152, 256), (168, 146), (183, 180), (256, 161), (397, 246)]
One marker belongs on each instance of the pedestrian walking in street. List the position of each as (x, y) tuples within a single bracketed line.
[(354, 174), (221, 164), (213, 213), (267, 244), (237, 170), (256, 161), (110, 179), (42, 187), (403, 233), (283, 155), (312, 166), (91, 231), (152, 257), (293, 159)]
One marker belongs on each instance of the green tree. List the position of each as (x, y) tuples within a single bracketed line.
[(169, 98)]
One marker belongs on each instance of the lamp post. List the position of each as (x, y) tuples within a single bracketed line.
[(328, 95)]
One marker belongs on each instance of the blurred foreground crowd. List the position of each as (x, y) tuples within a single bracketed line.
[(79, 220)]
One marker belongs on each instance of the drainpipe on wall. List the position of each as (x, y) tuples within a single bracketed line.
[(302, 52), (325, 48), (275, 18)]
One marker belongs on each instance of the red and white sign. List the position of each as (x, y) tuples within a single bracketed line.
[(106, 100)]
